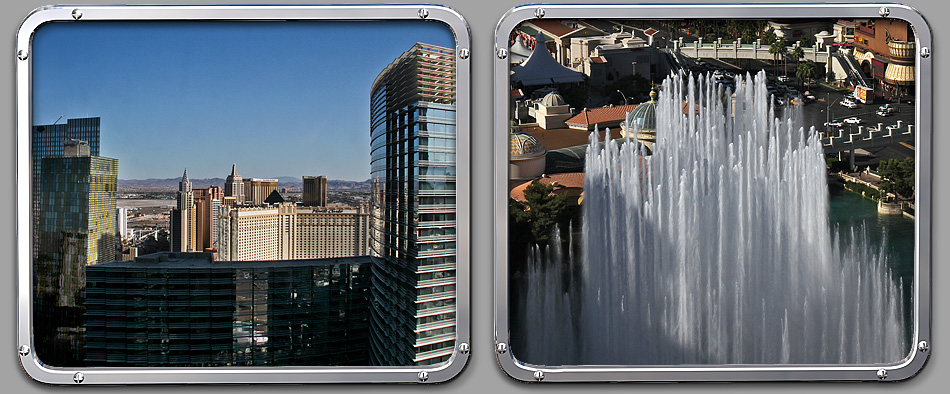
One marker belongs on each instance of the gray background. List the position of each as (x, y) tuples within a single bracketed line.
[(482, 374)]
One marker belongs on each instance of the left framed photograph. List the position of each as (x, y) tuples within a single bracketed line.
[(243, 194)]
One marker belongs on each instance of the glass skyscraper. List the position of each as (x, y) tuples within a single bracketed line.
[(75, 228), (47, 141), (413, 237)]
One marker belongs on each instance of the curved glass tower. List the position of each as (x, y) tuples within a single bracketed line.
[(412, 123)]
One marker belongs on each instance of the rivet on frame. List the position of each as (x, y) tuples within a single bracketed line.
[(463, 348), (423, 13), (925, 52), (923, 346), (501, 348), (502, 53), (24, 350), (78, 377), (884, 11), (464, 53), (22, 54), (539, 375), (423, 376), (77, 14), (882, 374), (539, 13)]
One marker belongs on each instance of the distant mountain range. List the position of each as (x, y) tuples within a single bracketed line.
[(282, 182)]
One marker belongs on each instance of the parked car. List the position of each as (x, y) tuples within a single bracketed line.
[(883, 113), (852, 120), (887, 108), (849, 104), (784, 78), (834, 123)]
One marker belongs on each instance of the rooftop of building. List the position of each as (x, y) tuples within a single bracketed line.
[(524, 146), (568, 180), (608, 114), (565, 137), (206, 260)]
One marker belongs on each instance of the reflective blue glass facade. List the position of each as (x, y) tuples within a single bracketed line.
[(412, 120)]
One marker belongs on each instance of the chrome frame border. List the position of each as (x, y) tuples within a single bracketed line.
[(906, 368), (335, 374)]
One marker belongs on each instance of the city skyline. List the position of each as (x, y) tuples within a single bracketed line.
[(243, 88)]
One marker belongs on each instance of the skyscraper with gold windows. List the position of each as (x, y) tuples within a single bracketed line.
[(76, 228)]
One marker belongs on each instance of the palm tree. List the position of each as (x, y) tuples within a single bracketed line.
[(798, 53), (806, 71), (778, 48)]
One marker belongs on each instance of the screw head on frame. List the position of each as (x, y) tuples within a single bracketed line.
[(22, 54), (539, 375), (539, 13), (464, 53), (501, 348), (78, 377), (24, 350), (502, 53), (923, 346), (423, 13), (423, 376), (77, 14), (925, 52), (882, 374), (884, 11), (463, 348)]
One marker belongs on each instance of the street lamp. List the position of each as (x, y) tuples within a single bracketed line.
[(624, 97)]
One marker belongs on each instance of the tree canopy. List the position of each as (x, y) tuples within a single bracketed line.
[(897, 176), (538, 215)]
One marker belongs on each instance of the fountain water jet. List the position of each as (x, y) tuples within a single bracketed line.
[(714, 250)]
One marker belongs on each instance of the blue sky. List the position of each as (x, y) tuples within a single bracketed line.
[(277, 98)]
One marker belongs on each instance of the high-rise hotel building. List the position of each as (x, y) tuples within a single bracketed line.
[(257, 190), (412, 121), (285, 231), (76, 228), (183, 218), (234, 186), (47, 141), (315, 191)]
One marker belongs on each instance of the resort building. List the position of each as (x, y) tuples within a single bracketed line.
[(182, 218), (284, 231), (256, 190), (315, 191), (234, 187), (412, 131), (885, 49)]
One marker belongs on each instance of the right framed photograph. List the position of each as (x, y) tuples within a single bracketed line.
[(712, 192)]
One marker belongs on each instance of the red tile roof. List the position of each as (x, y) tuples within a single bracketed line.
[(517, 93), (651, 31), (601, 115), (598, 59), (563, 180)]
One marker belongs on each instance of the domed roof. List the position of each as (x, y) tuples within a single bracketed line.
[(553, 100), (525, 146), (644, 115)]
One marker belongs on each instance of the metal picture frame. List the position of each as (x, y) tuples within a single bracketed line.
[(906, 368), (133, 375)]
